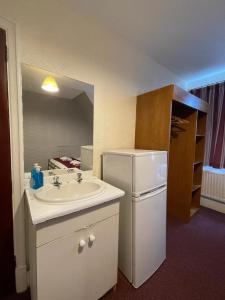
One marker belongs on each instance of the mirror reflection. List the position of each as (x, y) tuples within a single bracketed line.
[(57, 120)]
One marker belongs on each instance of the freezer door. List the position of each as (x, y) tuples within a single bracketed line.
[(149, 235), (117, 170), (149, 172)]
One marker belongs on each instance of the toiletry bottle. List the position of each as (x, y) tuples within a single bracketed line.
[(34, 168), (38, 178), (35, 179), (41, 178), (33, 171)]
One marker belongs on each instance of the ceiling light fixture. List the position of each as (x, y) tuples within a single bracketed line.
[(50, 85)]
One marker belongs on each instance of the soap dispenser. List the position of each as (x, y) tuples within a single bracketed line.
[(33, 171), (34, 168), (38, 178), (41, 178)]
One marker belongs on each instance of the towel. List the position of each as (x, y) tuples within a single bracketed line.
[(75, 162), (65, 158)]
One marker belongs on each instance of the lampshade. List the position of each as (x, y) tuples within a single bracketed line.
[(50, 85)]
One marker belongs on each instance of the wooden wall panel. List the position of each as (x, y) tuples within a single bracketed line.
[(153, 119), (180, 175)]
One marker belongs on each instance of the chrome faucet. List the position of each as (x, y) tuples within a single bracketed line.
[(79, 177), (50, 173), (56, 181)]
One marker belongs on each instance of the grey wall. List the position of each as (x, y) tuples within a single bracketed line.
[(54, 126)]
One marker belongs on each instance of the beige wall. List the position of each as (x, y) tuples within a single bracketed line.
[(60, 39), (55, 37)]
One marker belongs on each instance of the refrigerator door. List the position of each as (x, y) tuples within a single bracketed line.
[(149, 172), (149, 234), (118, 170)]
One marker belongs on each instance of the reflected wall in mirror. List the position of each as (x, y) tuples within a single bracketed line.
[(58, 125)]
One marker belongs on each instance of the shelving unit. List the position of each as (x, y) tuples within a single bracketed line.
[(199, 149), (198, 162), (195, 187), (171, 119), (199, 157)]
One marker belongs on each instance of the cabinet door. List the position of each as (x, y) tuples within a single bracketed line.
[(66, 271), (62, 269), (102, 257)]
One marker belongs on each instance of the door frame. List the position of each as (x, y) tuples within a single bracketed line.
[(16, 140)]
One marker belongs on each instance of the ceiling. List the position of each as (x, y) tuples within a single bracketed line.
[(33, 77), (186, 36)]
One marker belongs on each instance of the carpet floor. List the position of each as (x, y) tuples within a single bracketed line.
[(194, 268)]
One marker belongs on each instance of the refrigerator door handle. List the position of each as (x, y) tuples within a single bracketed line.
[(151, 193)]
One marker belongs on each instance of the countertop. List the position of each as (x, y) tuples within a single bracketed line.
[(43, 211)]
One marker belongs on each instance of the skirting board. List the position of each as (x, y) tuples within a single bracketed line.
[(21, 279), (213, 204)]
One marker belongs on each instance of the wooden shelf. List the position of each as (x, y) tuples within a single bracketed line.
[(197, 175), (201, 123), (195, 200), (199, 136), (199, 149), (193, 210), (195, 187), (198, 162)]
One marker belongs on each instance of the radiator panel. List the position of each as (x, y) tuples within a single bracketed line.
[(213, 184)]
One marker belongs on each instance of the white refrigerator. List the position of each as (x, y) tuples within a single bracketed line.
[(142, 174)]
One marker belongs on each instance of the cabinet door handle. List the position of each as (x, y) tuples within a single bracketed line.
[(82, 243), (92, 238)]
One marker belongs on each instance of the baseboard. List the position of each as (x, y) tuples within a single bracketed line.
[(21, 279), (212, 204)]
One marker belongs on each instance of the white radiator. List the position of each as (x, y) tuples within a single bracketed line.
[(213, 188)]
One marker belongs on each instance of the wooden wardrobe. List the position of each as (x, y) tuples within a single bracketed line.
[(172, 119)]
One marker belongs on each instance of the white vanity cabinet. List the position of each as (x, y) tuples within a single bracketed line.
[(75, 256)]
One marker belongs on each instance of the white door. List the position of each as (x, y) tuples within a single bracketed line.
[(102, 257), (149, 234), (62, 269), (149, 172)]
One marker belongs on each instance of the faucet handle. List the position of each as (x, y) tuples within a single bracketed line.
[(56, 178), (79, 177), (56, 181), (50, 173)]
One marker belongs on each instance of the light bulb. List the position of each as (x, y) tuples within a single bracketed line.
[(50, 85)]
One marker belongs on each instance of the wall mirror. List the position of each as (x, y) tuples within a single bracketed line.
[(57, 121)]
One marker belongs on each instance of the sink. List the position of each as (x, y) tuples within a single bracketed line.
[(68, 192)]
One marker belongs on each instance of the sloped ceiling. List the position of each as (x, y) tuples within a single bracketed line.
[(33, 77), (186, 36)]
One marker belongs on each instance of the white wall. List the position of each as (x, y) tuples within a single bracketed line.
[(206, 80), (59, 39), (63, 40)]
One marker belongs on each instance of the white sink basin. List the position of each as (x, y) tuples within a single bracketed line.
[(68, 192)]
